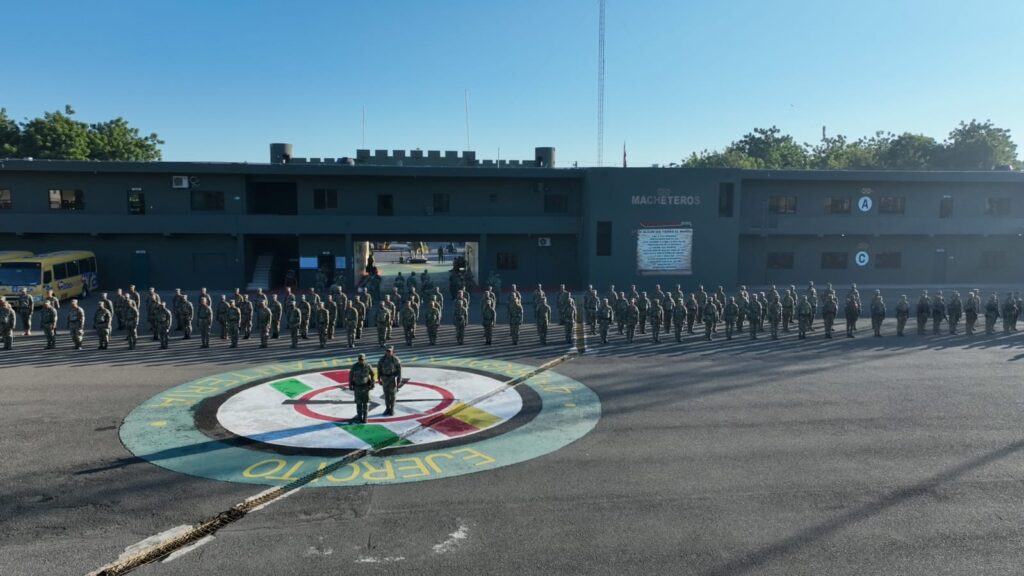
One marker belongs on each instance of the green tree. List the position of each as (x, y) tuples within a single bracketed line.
[(906, 151), (772, 148), (55, 136), (725, 159), (116, 140), (10, 135), (978, 146)]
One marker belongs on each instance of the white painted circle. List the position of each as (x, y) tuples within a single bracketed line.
[(864, 204), (862, 258), (265, 413)]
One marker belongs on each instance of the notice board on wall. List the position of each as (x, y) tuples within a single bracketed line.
[(664, 248)]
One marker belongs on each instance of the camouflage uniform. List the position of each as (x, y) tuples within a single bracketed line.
[(360, 381), (245, 310), (852, 314), (709, 315), (754, 313), (7, 323), (515, 318), (877, 314), (542, 315), (131, 323), (433, 320), (383, 322), (804, 313), (829, 311), (295, 325), (264, 322), (408, 322), (902, 314), (678, 318), (76, 324), (924, 308), (971, 309), (569, 320), (774, 314), (605, 317), (25, 308), (991, 314), (351, 323), (101, 324), (162, 324), (48, 322), (656, 316), (185, 317), (389, 371), (222, 316), (632, 318), (732, 315), (487, 320), (205, 317), (323, 324), (954, 310)]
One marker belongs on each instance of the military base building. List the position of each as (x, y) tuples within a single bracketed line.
[(192, 224)]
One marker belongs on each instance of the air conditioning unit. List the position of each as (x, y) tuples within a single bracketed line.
[(544, 242), (179, 182)]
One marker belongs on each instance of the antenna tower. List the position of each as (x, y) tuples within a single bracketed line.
[(600, 84)]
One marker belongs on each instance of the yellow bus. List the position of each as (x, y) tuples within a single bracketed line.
[(14, 255), (69, 273)]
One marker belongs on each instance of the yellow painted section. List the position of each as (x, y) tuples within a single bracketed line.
[(473, 416)]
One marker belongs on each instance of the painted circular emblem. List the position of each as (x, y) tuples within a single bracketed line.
[(277, 423)]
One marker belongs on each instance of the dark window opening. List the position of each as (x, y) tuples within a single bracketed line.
[(725, 196), (993, 260), (604, 238), (782, 204), (891, 205), (87, 265), (279, 198), (997, 206), (5, 200), (60, 271), (136, 201), (508, 261), (889, 260), (556, 203), (73, 269), (946, 207), (67, 200), (837, 205), (442, 202), (780, 261), (325, 199), (385, 205), (207, 200), (833, 260)]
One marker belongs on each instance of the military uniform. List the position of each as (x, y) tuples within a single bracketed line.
[(754, 313), (678, 318), (276, 311), (692, 310), (185, 318), (877, 315), (938, 313), (408, 322), (323, 324), (954, 311), (991, 315), (360, 381), (971, 309), (643, 306), (590, 305), (389, 371), (605, 317), (162, 324), (48, 322), (902, 315), (25, 308), (222, 317), (731, 314), (709, 315), (101, 324), (631, 318), (76, 325), (655, 314), (295, 325), (804, 313), (853, 309), (7, 323), (205, 316), (460, 318), (119, 303), (569, 320), (433, 321), (774, 314), (351, 324), (542, 315), (306, 308), (515, 318), (924, 308), (131, 324), (1009, 312), (245, 311), (829, 311), (488, 317), (788, 306), (233, 317), (383, 321)]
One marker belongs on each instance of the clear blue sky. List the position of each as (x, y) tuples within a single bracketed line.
[(219, 80)]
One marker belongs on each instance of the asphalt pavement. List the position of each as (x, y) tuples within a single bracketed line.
[(845, 456)]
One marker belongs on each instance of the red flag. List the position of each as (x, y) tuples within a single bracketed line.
[(623, 153)]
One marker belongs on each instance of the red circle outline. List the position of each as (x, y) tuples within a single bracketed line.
[(447, 399)]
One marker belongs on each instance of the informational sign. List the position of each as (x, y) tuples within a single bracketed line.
[(864, 204), (862, 258), (307, 263), (664, 249), (340, 262)]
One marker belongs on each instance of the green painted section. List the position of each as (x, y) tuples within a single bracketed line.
[(291, 387), (375, 435)]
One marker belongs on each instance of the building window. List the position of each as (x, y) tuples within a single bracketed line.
[(780, 261), (5, 200), (946, 207), (207, 200), (833, 260), (508, 261), (67, 200), (782, 204), (556, 203), (725, 195), (993, 260), (325, 199), (891, 204), (889, 260), (442, 202), (604, 238), (997, 206), (385, 205), (136, 201), (837, 205)]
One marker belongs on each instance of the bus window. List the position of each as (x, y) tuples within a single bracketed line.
[(87, 265), (47, 276), (18, 274), (60, 271), (72, 269)]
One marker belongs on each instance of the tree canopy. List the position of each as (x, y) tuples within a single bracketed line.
[(58, 136), (971, 145)]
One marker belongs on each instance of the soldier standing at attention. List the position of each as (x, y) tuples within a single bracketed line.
[(289, 303), (351, 322), (654, 315), (295, 324), (643, 305), (852, 314), (205, 315), (176, 307), (542, 315), (1009, 311), (383, 321), (902, 314), (605, 317), (307, 311), (515, 317), (971, 309), (53, 300), (754, 313), (322, 323), (631, 316), (276, 311), (460, 317), (709, 315), (924, 308), (692, 311), (75, 324), (732, 317), (569, 319), (48, 322), (135, 297), (245, 311), (991, 313), (488, 316), (131, 323), (812, 300), (25, 308), (590, 305), (803, 316), (389, 303), (360, 307), (829, 311), (433, 319), (101, 324), (938, 313), (162, 317), (788, 305), (7, 323), (264, 320), (119, 301), (222, 316), (234, 319), (360, 382), (314, 305), (774, 314), (152, 303), (955, 310), (187, 312), (408, 322), (332, 316), (389, 372), (107, 303), (678, 318), (877, 313), (621, 305)]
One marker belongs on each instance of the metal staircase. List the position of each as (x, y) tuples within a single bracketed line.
[(261, 273)]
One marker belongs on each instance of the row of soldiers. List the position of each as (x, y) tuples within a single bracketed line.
[(630, 311)]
